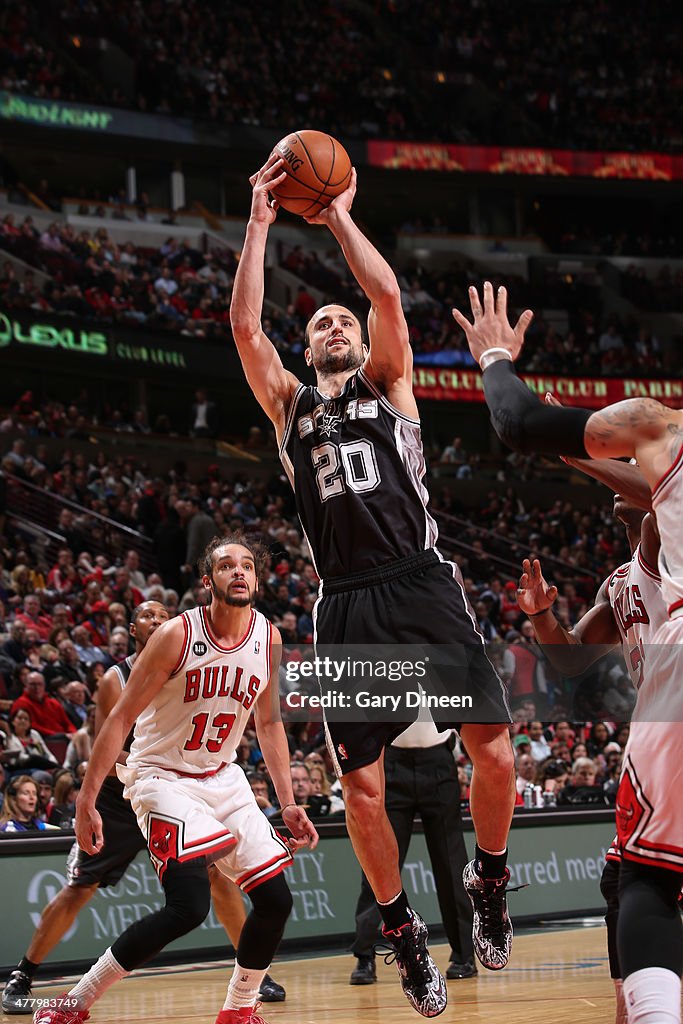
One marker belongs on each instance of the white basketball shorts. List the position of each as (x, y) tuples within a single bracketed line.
[(215, 817)]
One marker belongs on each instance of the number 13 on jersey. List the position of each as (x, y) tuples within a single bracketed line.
[(221, 723)]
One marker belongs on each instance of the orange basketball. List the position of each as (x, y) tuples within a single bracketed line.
[(318, 169)]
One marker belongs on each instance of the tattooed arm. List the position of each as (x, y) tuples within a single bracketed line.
[(640, 428)]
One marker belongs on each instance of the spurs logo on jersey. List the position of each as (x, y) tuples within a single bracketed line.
[(634, 592), (216, 689), (357, 467)]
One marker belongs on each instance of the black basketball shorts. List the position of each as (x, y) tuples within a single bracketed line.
[(123, 841), (419, 600)]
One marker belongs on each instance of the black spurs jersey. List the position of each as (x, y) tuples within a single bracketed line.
[(123, 670), (356, 465)]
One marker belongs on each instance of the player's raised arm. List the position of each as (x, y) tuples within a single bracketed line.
[(570, 651), (391, 357), (151, 670), (636, 427), (273, 743), (272, 385)]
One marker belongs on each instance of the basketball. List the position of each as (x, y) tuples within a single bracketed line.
[(318, 169)]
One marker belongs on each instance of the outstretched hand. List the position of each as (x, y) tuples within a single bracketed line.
[(491, 327), (302, 828), (534, 594), (88, 828), (263, 207), (340, 204)]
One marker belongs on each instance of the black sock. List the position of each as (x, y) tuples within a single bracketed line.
[(489, 865), (27, 966), (395, 914)]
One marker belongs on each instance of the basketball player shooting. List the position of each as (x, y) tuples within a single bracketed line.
[(352, 449), (649, 808), (190, 695)]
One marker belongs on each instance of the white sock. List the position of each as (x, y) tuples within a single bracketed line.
[(99, 978), (244, 986), (621, 1016), (653, 996)]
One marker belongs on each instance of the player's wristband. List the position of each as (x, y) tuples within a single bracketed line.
[(492, 355), (283, 809), (535, 615)]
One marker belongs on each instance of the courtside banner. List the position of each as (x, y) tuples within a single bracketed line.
[(561, 866), (563, 163), (455, 385)]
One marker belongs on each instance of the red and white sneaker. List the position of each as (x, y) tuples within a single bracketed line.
[(61, 1012), (245, 1015)]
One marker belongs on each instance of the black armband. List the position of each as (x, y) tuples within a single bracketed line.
[(527, 425)]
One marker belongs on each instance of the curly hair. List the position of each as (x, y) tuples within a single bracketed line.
[(258, 552)]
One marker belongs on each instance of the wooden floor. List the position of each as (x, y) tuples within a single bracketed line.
[(558, 976)]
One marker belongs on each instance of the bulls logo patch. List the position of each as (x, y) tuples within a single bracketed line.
[(162, 842), (199, 648), (629, 810)]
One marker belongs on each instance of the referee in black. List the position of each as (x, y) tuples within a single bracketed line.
[(422, 778)]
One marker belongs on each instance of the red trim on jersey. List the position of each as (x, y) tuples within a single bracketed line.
[(663, 480), (271, 874), (675, 606), (660, 862), (269, 658), (225, 834), (647, 568), (186, 643), (661, 847), (194, 775), (216, 643), (262, 867), (613, 856), (224, 844)]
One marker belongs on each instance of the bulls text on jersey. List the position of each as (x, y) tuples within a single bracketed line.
[(220, 681), (629, 608)]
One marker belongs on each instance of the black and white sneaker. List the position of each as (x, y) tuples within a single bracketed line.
[(16, 996), (421, 979), (492, 927)]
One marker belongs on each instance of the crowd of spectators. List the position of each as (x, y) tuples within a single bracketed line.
[(92, 277), (592, 343), (178, 288), (561, 76), (64, 611)]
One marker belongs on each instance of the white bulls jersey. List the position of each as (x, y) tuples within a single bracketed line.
[(667, 501), (649, 805), (634, 592), (194, 723)]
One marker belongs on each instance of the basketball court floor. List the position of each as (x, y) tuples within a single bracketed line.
[(556, 973)]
